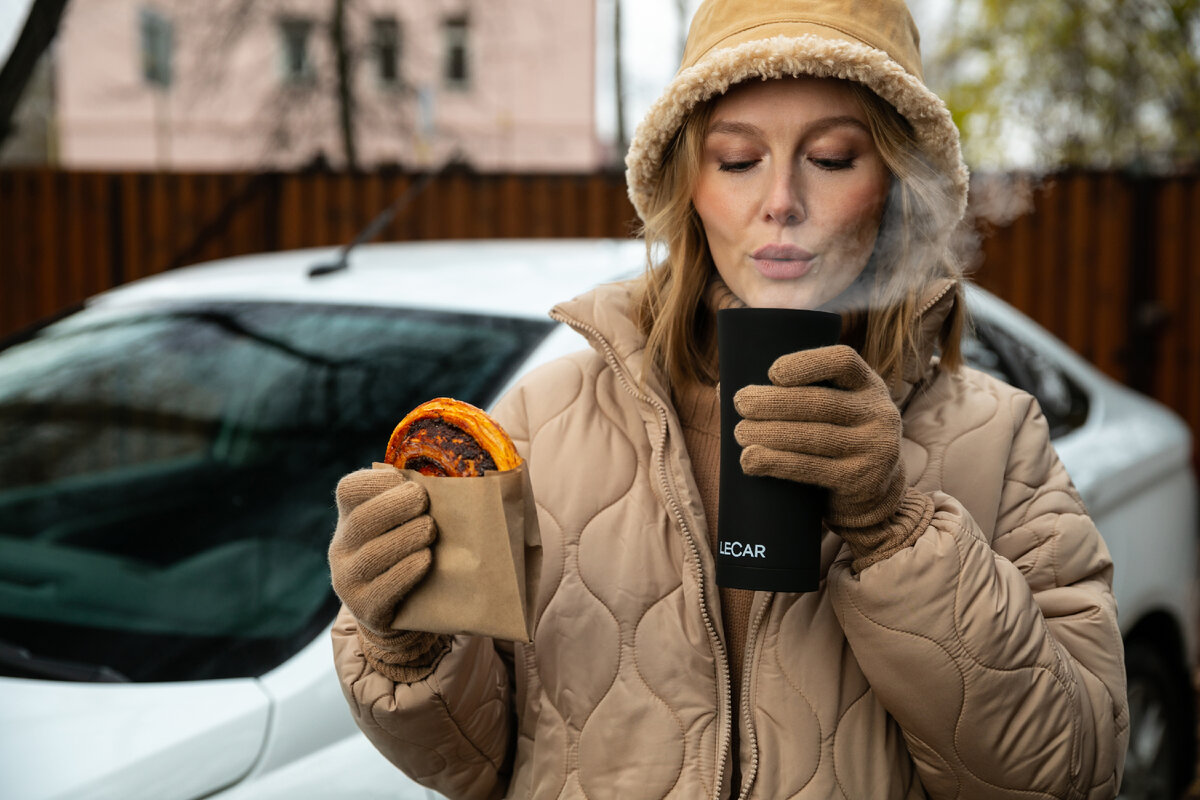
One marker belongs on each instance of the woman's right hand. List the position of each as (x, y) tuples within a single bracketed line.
[(381, 547)]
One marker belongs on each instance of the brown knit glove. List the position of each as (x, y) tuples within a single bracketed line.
[(379, 552), (844, 436)]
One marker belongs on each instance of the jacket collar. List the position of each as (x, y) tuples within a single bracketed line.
[(604, 316), (919, 367)]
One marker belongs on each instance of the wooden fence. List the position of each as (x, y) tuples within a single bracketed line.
[(1108, 262), (66, 235), (1111, 264)]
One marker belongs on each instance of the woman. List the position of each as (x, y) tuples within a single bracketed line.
[(963, 641)]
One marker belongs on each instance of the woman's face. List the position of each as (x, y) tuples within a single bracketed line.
[(791, 191)]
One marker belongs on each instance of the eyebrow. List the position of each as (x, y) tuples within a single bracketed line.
[(822, 125)]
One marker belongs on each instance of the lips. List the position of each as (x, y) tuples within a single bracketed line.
[(781, 261), (780, 251)]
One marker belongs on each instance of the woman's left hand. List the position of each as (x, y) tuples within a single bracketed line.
[(827, 419)]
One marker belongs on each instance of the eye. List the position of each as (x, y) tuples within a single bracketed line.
[(737, 166), (832, 164)]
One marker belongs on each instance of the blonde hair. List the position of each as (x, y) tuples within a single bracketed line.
[(912, 251)]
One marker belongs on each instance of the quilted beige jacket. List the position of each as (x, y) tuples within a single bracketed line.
[(982, 662)]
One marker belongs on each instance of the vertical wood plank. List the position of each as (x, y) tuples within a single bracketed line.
[(485, 207), (262, 213), (374, 201), (208, 196), (179, 233), (233, 209), (1020, 285), (47, 245), (10, 264), (75, 237), (430, 222), (1170, 295), (291, 221), (18, 284), (510, 207), (216, 242), (185, 226), (1046, 267), (571, 206), (149, 222), (59, 274), (31, 251), (595, 206), (131, 226), (393, 185), (989, 255), (458, 205), (382, 196), (269, 212), (348, 215), (318, 200), (1080, 256), (99, 247), (161, 237), (541, 206), (1109, 298), (1190, 338)]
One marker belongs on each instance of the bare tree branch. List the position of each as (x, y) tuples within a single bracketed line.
[(345, 79), (619, 78), (40, 28)]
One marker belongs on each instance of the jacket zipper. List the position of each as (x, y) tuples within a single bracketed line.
[(936, 299), (747, 668), (610, 356)]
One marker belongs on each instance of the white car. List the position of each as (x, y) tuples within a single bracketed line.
[(167, 462)]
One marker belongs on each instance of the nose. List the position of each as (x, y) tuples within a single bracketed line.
[(784, 203)]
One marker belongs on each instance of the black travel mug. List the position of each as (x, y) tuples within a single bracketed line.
[(769, 529)]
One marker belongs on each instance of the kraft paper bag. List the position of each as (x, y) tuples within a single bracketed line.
[(485, 561)]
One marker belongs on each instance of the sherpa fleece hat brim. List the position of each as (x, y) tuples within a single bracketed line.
[(802, 48)]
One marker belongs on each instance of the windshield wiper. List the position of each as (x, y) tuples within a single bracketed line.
[(384, 218), (19, 662)]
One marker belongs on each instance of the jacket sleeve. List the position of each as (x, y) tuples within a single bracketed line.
[(1001, 661), (451, 731)]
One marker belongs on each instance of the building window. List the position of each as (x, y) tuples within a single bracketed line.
[(157, 44), (294, 34), (456, 68), (385, 42)]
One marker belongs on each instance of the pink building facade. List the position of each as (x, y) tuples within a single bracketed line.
[(253, 84)]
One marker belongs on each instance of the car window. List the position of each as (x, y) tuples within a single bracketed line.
[(167, 475), (993, 350)]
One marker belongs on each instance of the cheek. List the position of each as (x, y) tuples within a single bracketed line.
[(721, 227), (858, 215), (712, 206), (724, 203)]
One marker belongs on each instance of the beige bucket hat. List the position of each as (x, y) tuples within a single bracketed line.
[(873, 42)]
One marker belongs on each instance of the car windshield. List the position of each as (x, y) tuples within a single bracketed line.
[(990, 348), (167, 474)]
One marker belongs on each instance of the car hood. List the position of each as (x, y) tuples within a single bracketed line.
[(1129, 443), (350, 768), (87, 740), (511, 277)]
